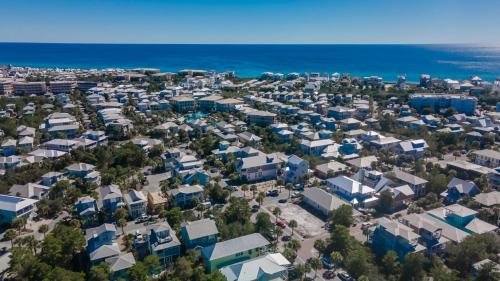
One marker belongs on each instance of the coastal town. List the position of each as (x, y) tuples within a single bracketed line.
[(139, 174)]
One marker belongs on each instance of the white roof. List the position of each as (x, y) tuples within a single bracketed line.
[(14, 203), (350, 185)]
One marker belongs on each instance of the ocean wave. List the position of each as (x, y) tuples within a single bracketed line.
[(474, 65)]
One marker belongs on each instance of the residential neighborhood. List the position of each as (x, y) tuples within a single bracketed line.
[(197, 175)]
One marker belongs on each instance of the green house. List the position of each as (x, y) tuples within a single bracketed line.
[(235, 250)]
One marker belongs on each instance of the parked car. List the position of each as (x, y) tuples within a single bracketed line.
[(282, 201), (280, 223), (273, 193), (143, 218), (295, 194), (344, 276), (329, 274), (299, 187), (255, 208), (327, 264)]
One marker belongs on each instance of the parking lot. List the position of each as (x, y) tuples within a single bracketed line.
[(308, 224)]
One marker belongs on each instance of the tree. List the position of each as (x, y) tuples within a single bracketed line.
[(99, 272), (10, 235), (336, 258), (289, 187), (390, 264), (263, 223), (61, 274), (138, 272), (413, 267), (253, 188), (341, 216), (44, 228), (341, 240), (320, 246), (488, 272), (19, 223), (385, 202), (120, 213), (152, 263), (315, 264), (302, 269), (122, 223), (244, 188), (277, 212), (25, 266), (292, 224), (278, 231), (260, 198)]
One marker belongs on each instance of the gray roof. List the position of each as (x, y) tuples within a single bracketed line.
[(80, 167), (462, 186), (234, 246), (110, 191), (201, 228), (121, 262), (488, 199), (186, 189), (105, 251), (408, 178), (323, 199), (91, 232), (257, 161)]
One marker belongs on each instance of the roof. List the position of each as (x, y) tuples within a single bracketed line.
[(186, 189), (14, 203), (28, 190), (405, 190), (121, 262), (135, 196), (363, 162), (349, 185), (479, 227), (462, 186), (200, 228), (110, 191), (105, 251), (488, 199), (259, 268), (96, 231), (257, 161), (489, 153), (433, 224), (408, 178), (324, 199), (331, 166), (234, 246), (398, 229), (80, 167)]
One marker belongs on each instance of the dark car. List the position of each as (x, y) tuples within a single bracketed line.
[(282, 201), (255, 208), (327, 263), (329, 274), (273, 193), (286, 238)]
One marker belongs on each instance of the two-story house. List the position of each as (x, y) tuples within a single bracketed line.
[(136, 203), (258, 168), (186, 195), (163, 243), (296, 169), (111, 198), (200, 233)]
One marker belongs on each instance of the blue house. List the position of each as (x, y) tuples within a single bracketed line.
[(196, 177), (184, 195), (163, 242), (111, 198), (296, 169), (12, 207), (390, 235), (350, 146), (51, 178), (105, 234), (79, 170), (458, 189), (86, 207), (199, 233), (8, 147)]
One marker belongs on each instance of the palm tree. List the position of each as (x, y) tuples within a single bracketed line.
[(320, 246), (302, 269), (122, 223), (315, 264), (292, 224), (260, 197), (10, 235), (253, 188), (277, 212), (289, 187), (336, 258), (245, 189), (44, 228)]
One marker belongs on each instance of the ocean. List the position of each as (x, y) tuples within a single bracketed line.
[(386, 61)]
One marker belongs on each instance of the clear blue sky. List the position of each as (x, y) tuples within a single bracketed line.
[(251, 21)]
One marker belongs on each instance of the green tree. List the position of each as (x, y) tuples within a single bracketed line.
[(244, 188), (122, 223), (260, 198), (10, 235), (44, 228), (263, 223), (320, 246), (488, 272), (413, 267), (292, 224), (341, 216), (138, 272), (99, 272), (390, 264), (315, 264), (289, 187), (336, 258), (385, 202), (61, 274), (152, 263), (341, 240), (277, 212)]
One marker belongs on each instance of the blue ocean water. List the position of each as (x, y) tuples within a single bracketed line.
[(387, 61)]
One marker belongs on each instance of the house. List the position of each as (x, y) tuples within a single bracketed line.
[(25, 143), (12, 207), (86, 207), (458, 189), (103, 253), (247, 137), (418, 185), (362, 162), (79, 170), (136, 203), (10, 162), (268, 267), (488, 199), (111, 198), (391, 235), (321, 201), (64, 145), (118, 265), (30, 190), (351, 190), (258, 168), (183, 104), (330, 169), (8, 147), (487, 157), (296, 170), (315, 147), (200, 233), (233, 251), (51, 178), (156, 199), (261, 118), (415, 148), (163, 243), (402, 195), (185, 195), (96, 237)]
